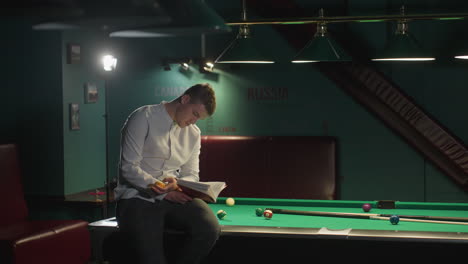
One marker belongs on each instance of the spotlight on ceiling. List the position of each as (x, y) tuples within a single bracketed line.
[(205, 65)]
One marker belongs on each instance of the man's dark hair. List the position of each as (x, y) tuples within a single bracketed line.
[(202, 93)]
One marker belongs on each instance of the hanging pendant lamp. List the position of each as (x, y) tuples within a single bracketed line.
[(243, 48), (321, 48), (402, 46)]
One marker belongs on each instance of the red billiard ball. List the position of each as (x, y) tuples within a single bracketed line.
[(268, 214), (366, 207)]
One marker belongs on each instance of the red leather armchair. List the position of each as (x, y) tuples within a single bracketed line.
[(41, 241)]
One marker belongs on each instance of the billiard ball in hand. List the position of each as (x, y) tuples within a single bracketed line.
[(160, 184), (394, 219), (268, 214), (221, 214), (366, 207), (230, 201)]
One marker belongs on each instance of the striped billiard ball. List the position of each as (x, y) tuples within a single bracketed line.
[(221, 214), (268, 214)]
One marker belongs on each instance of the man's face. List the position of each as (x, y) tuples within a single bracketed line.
[(188, 114)]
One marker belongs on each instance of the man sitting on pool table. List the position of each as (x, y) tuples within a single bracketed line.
[(160, 143)]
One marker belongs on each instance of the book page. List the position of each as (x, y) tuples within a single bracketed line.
[(210, 189)]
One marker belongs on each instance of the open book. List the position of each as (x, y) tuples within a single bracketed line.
[(207, 191)]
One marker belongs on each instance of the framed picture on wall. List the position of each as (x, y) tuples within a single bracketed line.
[(74, 116), (73, 53), (91, 93)]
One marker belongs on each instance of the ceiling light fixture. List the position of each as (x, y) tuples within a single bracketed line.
[(242, 49), (321, 47), (189, 18), (105, 15), (402, 46), (462, 57)]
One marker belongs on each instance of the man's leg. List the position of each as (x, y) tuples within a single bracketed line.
[(196, 219), (142, 223)]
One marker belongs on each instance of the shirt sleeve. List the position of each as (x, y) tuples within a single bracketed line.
[(133, 137), (190, 169)]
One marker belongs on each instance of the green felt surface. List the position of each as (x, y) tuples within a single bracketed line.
[(243, 214)]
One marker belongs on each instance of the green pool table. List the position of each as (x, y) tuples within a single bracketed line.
[(317, 239), (247, 238), (242, 220)]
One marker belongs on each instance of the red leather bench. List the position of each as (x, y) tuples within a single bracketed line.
[(293, 167), (42, 241)]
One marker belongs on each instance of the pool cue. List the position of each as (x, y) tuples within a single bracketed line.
[(368, 215), (420, 220)]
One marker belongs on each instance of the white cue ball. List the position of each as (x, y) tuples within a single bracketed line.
[(230, 202)]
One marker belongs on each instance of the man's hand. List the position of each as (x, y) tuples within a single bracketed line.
[(178, 197), (170, 185)]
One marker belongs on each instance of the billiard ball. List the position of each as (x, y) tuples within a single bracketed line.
[(230, 201), (221, 214), (366, 207), (259, 211), (268, 214), (394, 219), (160, 184)]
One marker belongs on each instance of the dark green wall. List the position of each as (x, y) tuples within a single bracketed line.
[(84, 149), (31, 99), (39, 85)]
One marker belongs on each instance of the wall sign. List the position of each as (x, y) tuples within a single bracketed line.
[(267, 93)]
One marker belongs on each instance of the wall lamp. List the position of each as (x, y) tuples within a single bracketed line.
[(109, 62)]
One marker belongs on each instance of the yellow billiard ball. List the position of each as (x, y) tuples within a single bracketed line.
[(160, 184), (230, 201)]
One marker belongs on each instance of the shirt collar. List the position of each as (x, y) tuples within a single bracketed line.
[(166, 114)]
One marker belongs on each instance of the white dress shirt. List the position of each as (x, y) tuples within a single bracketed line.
[(152, 148)]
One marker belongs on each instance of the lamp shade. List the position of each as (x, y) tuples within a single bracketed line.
[(402, 47), (107, 15), (321, 48), (242, 50), (189, 17), (462, 55)]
